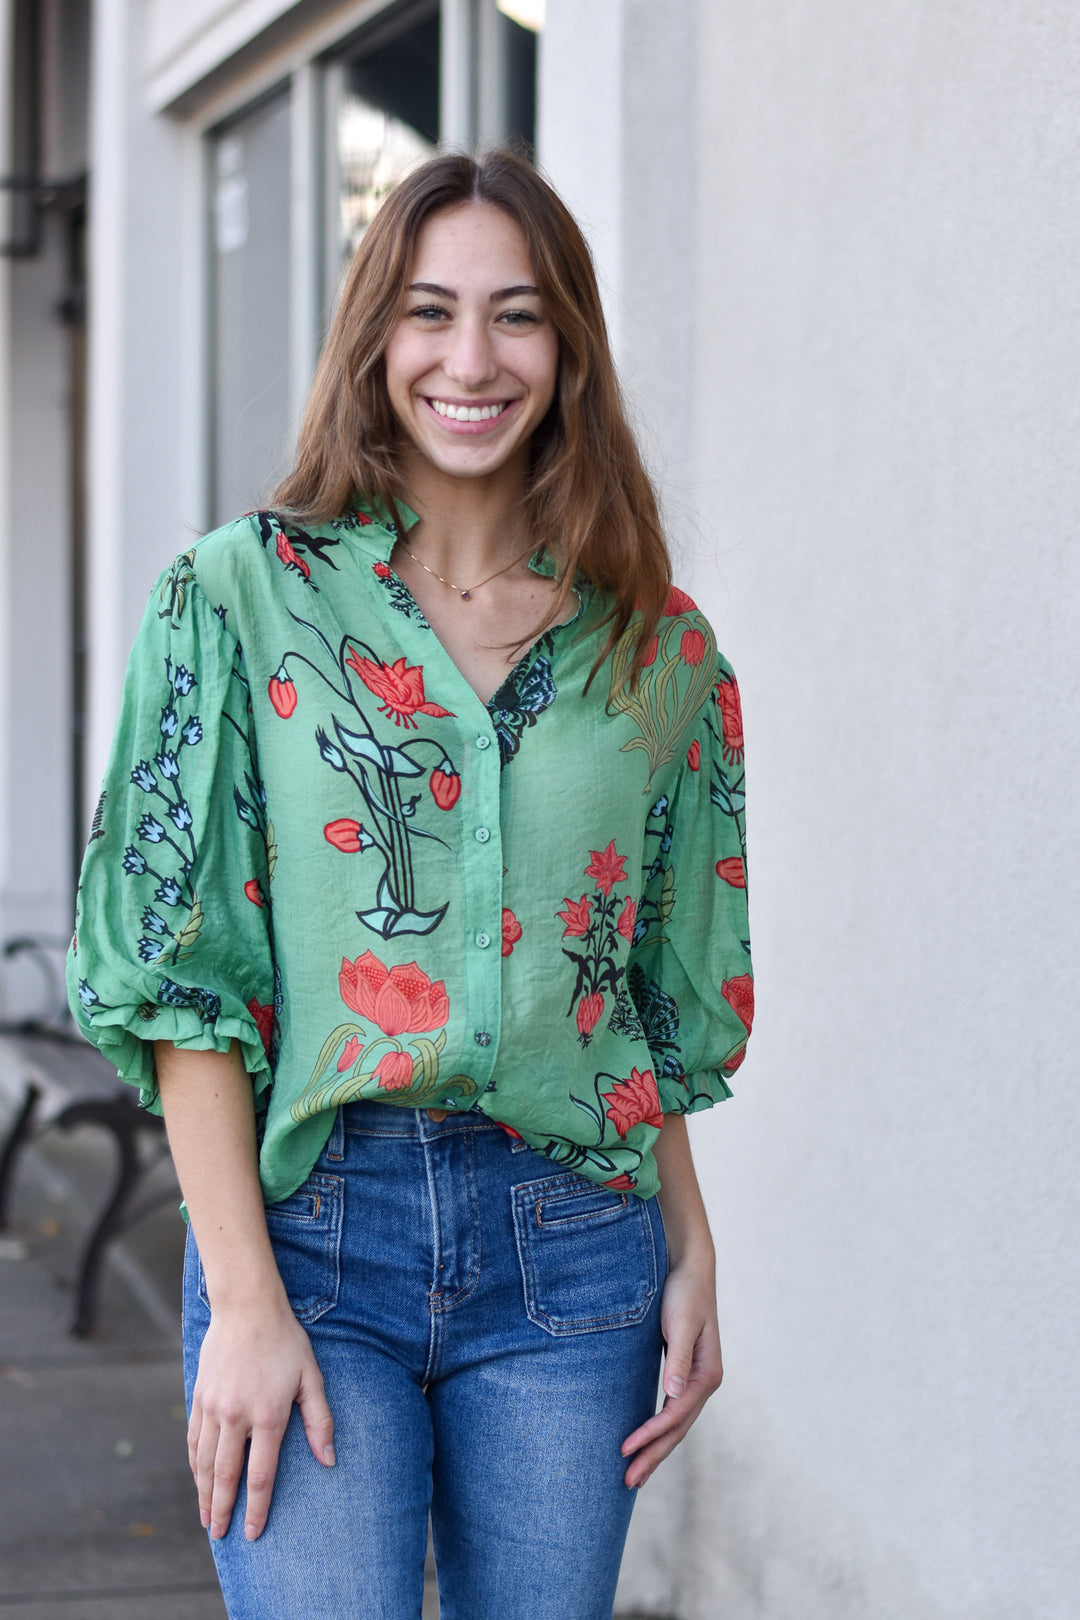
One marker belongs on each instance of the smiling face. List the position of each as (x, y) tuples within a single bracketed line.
[(472, 364)]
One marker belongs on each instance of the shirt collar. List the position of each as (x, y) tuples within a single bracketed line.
[(373, 528), (371, 525)]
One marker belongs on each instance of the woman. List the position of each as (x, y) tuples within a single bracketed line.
[(416, 902)]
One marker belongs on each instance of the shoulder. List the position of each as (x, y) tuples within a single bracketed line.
[(228, 562), (683, 625)]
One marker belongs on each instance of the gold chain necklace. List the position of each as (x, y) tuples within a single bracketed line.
[(465, 592)]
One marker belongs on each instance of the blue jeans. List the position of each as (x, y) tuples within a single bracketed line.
[(488, 1330)]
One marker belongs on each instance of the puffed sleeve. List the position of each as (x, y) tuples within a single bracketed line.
[(689, 971), (172, 936)]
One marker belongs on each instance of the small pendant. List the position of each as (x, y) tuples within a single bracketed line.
[(466, 596)]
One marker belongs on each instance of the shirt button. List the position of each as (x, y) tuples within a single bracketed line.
[(482, 834), (482, 1038), (483, 742), (483, 940)]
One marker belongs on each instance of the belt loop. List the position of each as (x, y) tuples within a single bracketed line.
[(335, 1143)]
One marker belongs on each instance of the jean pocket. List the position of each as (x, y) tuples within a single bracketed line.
[(586, 1252), (305, 1233)]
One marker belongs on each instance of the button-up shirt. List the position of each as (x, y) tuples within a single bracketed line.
[(314, 838)]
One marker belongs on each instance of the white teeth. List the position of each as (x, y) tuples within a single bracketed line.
[(467, 413)]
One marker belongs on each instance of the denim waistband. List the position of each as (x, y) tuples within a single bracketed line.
[(388, 1119)]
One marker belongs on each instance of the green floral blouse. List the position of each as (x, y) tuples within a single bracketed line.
[(315, 839)]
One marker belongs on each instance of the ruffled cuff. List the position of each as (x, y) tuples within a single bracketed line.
[(690, 1093), (126, 1037)]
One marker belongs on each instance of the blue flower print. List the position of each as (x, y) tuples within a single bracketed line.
[(149, 949), (332, 755), (524, 695), (243, 809), (133, 861), (180, 815), (183, 680), (151, 830), (171, 994), (205, 1002), (152, 922), (143, 776), (170, 721), (88, 995), (192, 732), (658, 1011), (168, 764), (168, 892), (660, 806)]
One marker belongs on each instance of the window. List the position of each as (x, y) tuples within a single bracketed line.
[(383, 116), (250, 305)]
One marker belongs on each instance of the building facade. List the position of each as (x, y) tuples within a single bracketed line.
[(838, 247)]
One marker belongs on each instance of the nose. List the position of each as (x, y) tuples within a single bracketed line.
[(470, 359)]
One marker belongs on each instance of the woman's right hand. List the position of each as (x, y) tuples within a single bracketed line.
[(255, 1364)]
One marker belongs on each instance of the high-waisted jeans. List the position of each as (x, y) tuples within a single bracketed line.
[(488, 1328)]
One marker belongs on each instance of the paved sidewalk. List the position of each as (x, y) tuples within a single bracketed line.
[(97, 1511), (97, 1514)]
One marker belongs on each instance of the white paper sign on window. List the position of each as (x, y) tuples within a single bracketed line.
[(231, 196)]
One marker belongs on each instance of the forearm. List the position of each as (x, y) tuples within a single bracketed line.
[(206, 1098), (685, 1220)]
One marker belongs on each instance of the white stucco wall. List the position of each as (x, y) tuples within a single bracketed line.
[(883, 369)]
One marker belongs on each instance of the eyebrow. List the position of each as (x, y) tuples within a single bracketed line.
[(524, 291)]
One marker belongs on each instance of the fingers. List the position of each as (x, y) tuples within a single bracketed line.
[(693, 1369), (657, 1439), (219, 1462), (261, 1469), (317, 1418)]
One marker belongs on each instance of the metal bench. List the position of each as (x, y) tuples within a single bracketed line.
[(54, 1077)]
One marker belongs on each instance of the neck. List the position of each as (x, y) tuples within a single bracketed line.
[(468, 526)]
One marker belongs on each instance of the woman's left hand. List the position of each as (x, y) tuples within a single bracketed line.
[(692, 1365)]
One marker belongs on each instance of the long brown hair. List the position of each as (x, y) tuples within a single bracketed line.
[(589, 500)]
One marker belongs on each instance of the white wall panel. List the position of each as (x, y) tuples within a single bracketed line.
[(884, 338)]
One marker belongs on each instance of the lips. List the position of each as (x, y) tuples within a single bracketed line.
[(470, 413), (461, 417)]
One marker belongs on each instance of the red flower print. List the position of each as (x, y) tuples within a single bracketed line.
[(362, 518), (692, 647), (401, 689), (509, 1129), (264, 1021), (395, 1071), (289, 557), (727, 696), (282, 693), (347, 835), (253, 892), (445, 786), (380, 570), (693, 755), (576, 917), (511, 931), (625, 924), (649, 655), (349, 1055), (732, 871), (398, 999), (623, 1183), (589, 1012), (678, 602), (607, 867), (739, 995), (634, 1102)]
